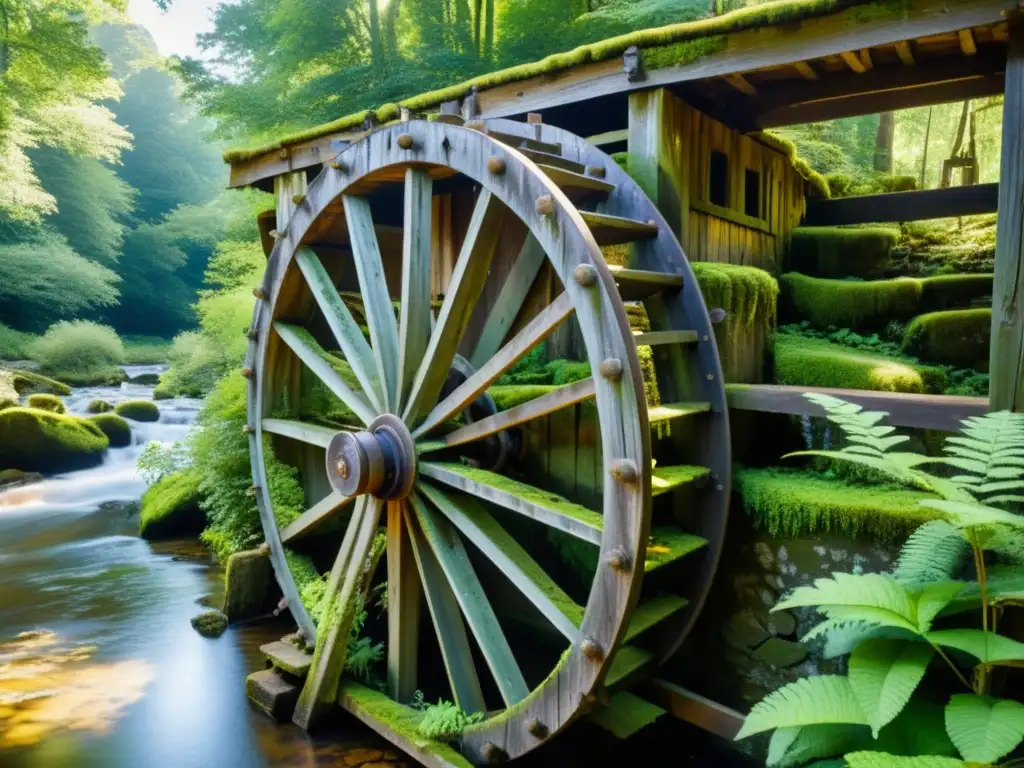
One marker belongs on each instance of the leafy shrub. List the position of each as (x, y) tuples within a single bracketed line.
[(842, 252), (955, 337), (50, 403), (196, 363), (145, 350), (158, 460), (80, 352), (839, 184), (14, 345)]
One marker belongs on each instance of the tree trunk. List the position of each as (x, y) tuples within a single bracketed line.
[(5, 50), (376, 41), (958, 142), (489, 31), (390, 23), (477, 23), (924, 157), (883, 142)]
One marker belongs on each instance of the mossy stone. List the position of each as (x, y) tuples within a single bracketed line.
[(745, 293), (210, 624), (249, 586), (855, 304), (138, 410), (29, 382), (117, 430), (957, 337), (13, 478), (40, 441), (145, 379), (780, 653), (170, 507), (842, 252), (99, 406), (50, 403), (162, 392), (6, 402)]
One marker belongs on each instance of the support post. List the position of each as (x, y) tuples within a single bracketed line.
[(286, 187), (657, 140), (1006, 356)]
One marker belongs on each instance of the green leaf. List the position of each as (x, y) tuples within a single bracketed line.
[(796, 745), (984, 728), (884, 674), (884, 760), (825, 699), (986, 646), (933, 598), (889, 602), (930, 553), (966, 515)]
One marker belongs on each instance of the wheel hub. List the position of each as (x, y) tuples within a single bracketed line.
[(380, 460)]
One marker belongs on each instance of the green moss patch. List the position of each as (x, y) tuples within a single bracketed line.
[(28, 382), (41, 441), (667, 545), (99, 406), (803, 362), (117, 430), (794, 502), (848, 303), (506, 397), (672, 45), (743, 292), (138, 410), (957, 337), (954, 291), (50, 403), (625, 714), (170, 507), (842, 251)]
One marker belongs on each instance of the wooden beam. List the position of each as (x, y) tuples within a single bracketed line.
[(904, 206), (942, 412), (805, 69), (1006, 356), (608, 137), (693, 708), (967, 44), (741, 84), (853, 62), (864, 54), (904, 52)]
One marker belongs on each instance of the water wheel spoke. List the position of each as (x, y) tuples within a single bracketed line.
[(451, 555), (465, 288), (477, 525), (506, 308), (332, 504), (414, 328), (448, 625), (538, 329), (403, 607), (346, 331), (540, 406), (525, 499), (341, 598), (313, 355), (313, 434), (380, 315)]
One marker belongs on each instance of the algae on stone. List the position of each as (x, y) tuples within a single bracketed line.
[(138, 410), (117, 430), (41, 441), (170, 507), (99, 406)]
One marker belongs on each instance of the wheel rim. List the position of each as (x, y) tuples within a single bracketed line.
[(398, 405)]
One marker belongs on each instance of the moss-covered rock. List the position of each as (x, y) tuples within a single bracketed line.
[(99, 406), (793, 502), (249, 586), (12, 478), (842, 251), (804, 362), (50, 403), (856, 304), (7, 402), (117, 430), (41, 441), (210, 624), (29, 382), (957, 337), (170, 507), (138, 410), (145, 379), (162, 392)]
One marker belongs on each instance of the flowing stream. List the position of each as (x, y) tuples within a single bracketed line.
[(98, 663)]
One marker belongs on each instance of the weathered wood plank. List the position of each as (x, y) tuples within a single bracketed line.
[(651, 612), (513, 293), (608, 137), (287, 657), (538, 329), (311, 354), (904, 206), (575, 185), (414, 328), (320, 512), (639, 284), (451, 555), (693, 708), (298, 430), (403, 607), (344, 327), (541, 406), (543, 506), (477, 525), (463, 292), (380, 315), (1006, 356), (942, 412), (655, 338), (615, 230)]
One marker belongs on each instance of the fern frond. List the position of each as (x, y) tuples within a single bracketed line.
[(931, 553), (825, 699), (968, 515), (991, 448)]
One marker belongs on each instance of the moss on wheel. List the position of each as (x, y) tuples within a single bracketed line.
[(40, 441), (957, 337), (506, 397), (842, 252), (853, 304), (99, 406), (50, 403), (743, 292), (170, 507), (117, 430), (795, 502), (804, 362), (138, 410)]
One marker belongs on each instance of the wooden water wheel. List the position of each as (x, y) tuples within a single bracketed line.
[(418, 449)]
